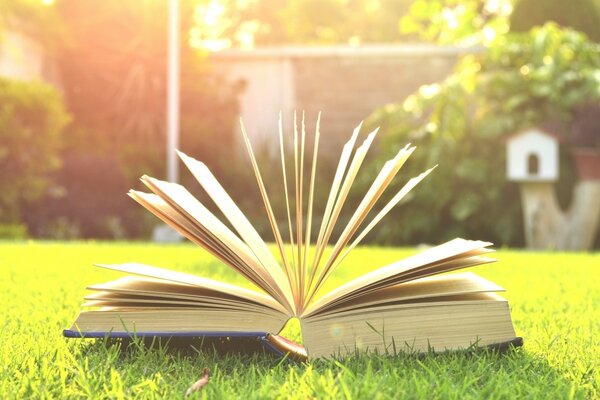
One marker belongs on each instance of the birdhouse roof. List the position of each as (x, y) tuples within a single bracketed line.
[(532, 129)]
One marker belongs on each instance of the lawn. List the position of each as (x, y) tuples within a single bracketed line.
[(555, 301)]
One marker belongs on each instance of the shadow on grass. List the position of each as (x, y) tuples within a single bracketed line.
[(468, 373)]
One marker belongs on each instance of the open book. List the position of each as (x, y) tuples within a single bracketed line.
[(407, 304)]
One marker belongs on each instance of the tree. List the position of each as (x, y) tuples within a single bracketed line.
[(520, 80), (457, 22), (32, 121), (111, 57), (114, 76), (220, 24), (581, 15)]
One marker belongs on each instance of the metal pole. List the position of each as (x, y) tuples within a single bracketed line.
[(173, 91)]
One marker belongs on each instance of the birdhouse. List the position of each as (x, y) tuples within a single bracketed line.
[(532, 156)]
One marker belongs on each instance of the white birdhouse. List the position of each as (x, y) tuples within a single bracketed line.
[(532, 156)]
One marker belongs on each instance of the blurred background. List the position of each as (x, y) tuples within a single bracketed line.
[(503, 94)]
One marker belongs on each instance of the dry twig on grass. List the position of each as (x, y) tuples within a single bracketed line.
[(200, 383)]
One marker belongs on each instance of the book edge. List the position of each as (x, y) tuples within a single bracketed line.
[(265, 338)]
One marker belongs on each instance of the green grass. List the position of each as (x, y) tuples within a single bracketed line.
[(555, 301)]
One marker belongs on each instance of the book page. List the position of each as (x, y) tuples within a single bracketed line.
[(193, 280), (238, 220), (403, 277), (111, 299), (353, 169), (381, 182), (311, 191), (186, 204), (391, 204), (456, 322), (129, 287), (171, 217), (165, 321), (337, 181), (416, 290), (272, 221), (456, 248), (292, 262)]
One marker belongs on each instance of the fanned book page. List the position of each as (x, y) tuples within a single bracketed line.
[(412, 303)]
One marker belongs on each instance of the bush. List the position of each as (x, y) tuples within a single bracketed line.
[(32, 119), (581, 15), (92, 193), (13, 231), (114, 85), (519, 81), (60, 229)]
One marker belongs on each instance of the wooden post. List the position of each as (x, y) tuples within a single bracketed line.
[(173, 91), (549, 227)]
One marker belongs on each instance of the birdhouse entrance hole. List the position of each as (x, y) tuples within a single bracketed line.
[(533, 164), (532, 155)]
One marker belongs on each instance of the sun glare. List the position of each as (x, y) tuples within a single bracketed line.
[(216, 44), (489, 33), (210, 24), (450, 18), (210, 13)]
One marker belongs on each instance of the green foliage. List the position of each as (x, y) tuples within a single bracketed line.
[(269, 22), (113, 76), (554, 305), (581, 15), (13, 231), (60, 229), (468, 22), (115, 84), (525, 79), (454, 22), (32, 120), (518, 81)]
